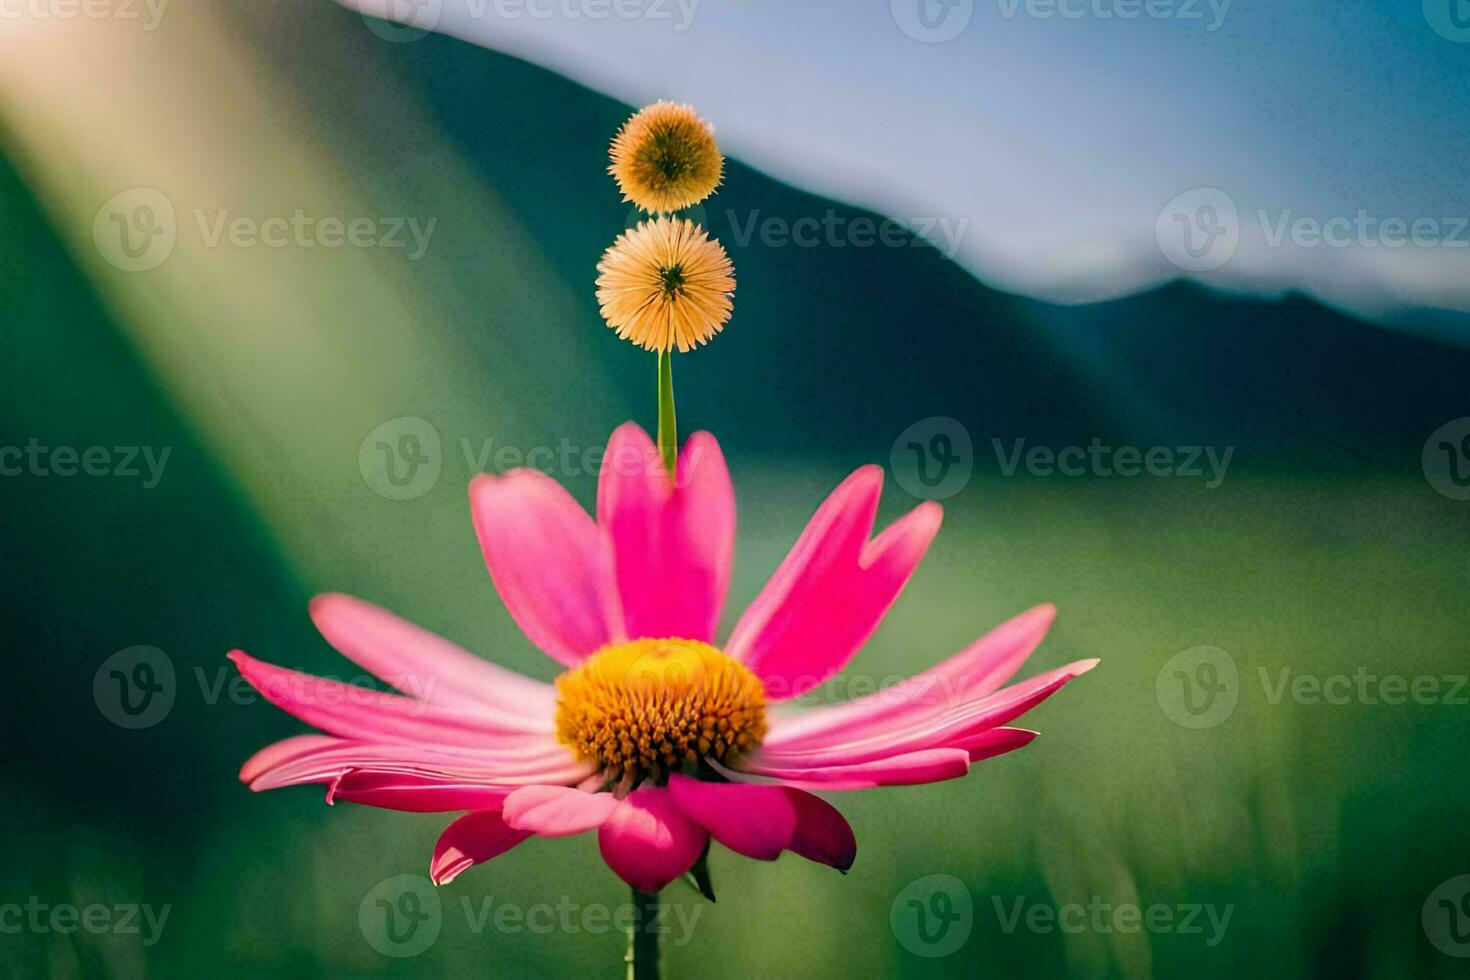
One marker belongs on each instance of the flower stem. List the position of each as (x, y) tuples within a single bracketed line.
[(642, 939), (668, 429)]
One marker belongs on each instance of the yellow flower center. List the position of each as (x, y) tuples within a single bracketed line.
[(665, 158), (643, 709)]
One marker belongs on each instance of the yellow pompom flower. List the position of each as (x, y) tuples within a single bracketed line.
[(666, 284), (665, 158)]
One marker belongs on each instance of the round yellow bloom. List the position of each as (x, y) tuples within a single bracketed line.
[(666, 284), (665, 158), (643, 709)]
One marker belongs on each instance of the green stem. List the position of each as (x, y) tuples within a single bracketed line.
[(642, 938), (668, 429)]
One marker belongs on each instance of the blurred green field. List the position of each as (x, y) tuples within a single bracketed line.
[(1321, 827)]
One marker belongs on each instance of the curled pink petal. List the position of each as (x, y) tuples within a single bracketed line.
[(899, 734), (831, 591), (359, 712), (549, 562), (412, 793), (510, 768), (928, 766), (472, 839), (285, 750), (429, 667), (996, 741), (972, 673), (557, 811), (762, 821), (671, 544), (648, 841)]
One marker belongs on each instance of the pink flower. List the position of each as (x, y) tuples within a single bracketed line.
[(653, 737)]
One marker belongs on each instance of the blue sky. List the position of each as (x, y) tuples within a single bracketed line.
[(1070, 145)]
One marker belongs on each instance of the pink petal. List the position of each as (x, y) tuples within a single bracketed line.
[(899, 735), (472, 839), (412, 793), (672, 545), (283, 751), (427, 666), (550, 563), (762, 821), (509, 768), (929, 766), (997, 741), (648, 841), (359, 712), (557, 811), (832, 590), (972, 673)]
